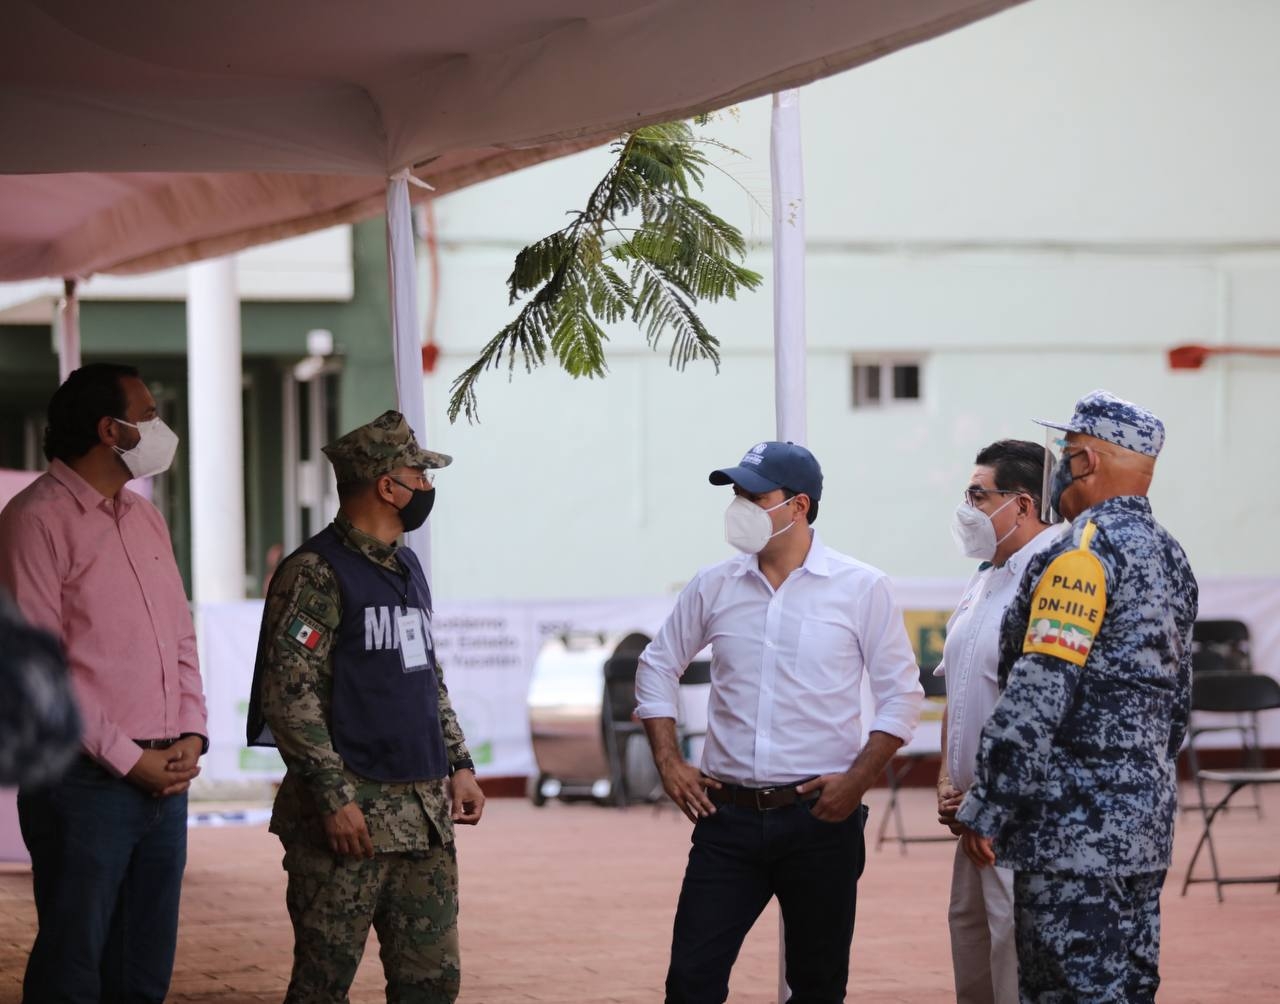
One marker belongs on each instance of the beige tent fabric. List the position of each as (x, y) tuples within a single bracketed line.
[(145, 133)]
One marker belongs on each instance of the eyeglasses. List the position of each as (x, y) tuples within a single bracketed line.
[(975, 495), (421, 481)]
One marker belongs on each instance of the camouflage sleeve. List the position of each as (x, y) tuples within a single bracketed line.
[(455, 742), (1182, 693), (1017, 740), (303, 610)]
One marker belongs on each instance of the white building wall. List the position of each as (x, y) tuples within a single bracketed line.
[(1037, 205)]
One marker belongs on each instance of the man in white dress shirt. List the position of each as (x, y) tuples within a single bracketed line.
[(997, 522), (777, 805)]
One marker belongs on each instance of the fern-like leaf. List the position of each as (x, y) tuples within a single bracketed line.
[(678, 254)]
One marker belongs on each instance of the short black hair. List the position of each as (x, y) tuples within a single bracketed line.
[(348, 490), (1018, 465), (813, 504), (88, 395)]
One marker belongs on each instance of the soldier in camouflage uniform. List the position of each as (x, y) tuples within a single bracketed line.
[(1076, 786), (378, 769)]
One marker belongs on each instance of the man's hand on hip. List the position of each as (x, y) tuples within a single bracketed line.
[(347, 833), (468, 799), (841, 794), (153, 774), (687, 787)]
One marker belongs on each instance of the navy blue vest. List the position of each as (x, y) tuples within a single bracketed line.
[(384, 720)]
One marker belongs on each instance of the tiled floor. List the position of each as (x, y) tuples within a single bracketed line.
[(572, 904)]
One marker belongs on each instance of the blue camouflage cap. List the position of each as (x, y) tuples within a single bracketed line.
[(772, 465), (1104, 416)]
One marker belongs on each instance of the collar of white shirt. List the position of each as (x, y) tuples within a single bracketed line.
[(815, 562)]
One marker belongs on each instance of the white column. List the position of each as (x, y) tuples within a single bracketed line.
[(68, 331), (215, 442), (788, 268), (406, 330)]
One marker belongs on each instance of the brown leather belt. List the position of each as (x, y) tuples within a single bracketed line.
[(778, 796), (155, 744)]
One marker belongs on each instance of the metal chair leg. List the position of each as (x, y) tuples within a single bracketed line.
[(1207, 838)]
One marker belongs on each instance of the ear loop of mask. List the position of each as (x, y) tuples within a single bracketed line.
[(992, 517)]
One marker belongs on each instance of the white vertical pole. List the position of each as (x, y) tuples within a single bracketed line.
[(68, 331), (787, 171), (406, 332), (788, 268), (215, 447)]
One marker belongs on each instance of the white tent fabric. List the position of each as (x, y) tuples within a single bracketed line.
[(145, 133)]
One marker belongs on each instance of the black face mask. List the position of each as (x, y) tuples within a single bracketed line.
[(415, 512)]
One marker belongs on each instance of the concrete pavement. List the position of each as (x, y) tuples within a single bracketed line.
[(572, 904)]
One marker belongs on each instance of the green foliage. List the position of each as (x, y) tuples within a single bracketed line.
[(596, 271)]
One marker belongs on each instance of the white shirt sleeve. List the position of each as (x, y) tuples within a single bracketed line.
[(665, 659), (891, 665)]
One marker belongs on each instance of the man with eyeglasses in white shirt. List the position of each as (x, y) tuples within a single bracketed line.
[(998, 523), (777, 804)]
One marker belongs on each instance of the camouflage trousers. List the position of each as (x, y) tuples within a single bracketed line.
[(1086, 939), (410, 898)]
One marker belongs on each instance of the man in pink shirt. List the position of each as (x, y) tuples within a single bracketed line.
[(90, 561)]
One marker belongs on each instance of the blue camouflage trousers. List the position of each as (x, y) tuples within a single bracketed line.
[(411, 900), (1086, 939)]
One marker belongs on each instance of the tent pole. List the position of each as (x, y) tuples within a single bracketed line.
[(402, 272), (787, 172), (68, 331)]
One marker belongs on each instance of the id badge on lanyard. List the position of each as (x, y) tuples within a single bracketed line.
[(411, 632)]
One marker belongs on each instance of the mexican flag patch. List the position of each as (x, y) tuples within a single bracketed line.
[(304, 634)]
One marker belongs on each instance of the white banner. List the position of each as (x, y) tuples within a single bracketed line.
[(487, 650)]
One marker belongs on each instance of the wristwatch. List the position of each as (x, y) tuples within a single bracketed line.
[(466, 763)]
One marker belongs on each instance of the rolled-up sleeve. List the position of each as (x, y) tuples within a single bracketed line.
[(666, 658), (891, 665)]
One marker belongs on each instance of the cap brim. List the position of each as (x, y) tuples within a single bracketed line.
[(745, 478), (1056, 425), (428, 459)]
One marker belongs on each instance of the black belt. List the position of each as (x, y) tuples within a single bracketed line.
[(777, 796), (156, 744)]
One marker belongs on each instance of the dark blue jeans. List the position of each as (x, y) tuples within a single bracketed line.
[(742, 858), (106, 863)]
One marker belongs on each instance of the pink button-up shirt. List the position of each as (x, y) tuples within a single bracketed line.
[(100, 574)]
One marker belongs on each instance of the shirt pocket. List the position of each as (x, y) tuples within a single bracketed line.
[(826, 652)]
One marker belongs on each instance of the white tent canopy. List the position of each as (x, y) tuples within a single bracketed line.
[(144, 133)]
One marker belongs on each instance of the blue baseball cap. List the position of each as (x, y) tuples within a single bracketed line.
[(772, 465), (1104, 416)]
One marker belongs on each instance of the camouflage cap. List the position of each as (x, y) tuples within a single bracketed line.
[(381, 446), (1104, 416)]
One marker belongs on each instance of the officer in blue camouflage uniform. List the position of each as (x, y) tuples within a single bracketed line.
[(1076, 788), (378, 770)]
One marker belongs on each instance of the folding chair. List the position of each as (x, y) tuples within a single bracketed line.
[(900, 766), (617, 721), (1231, 692), (1228, 638), (1210, 659)]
